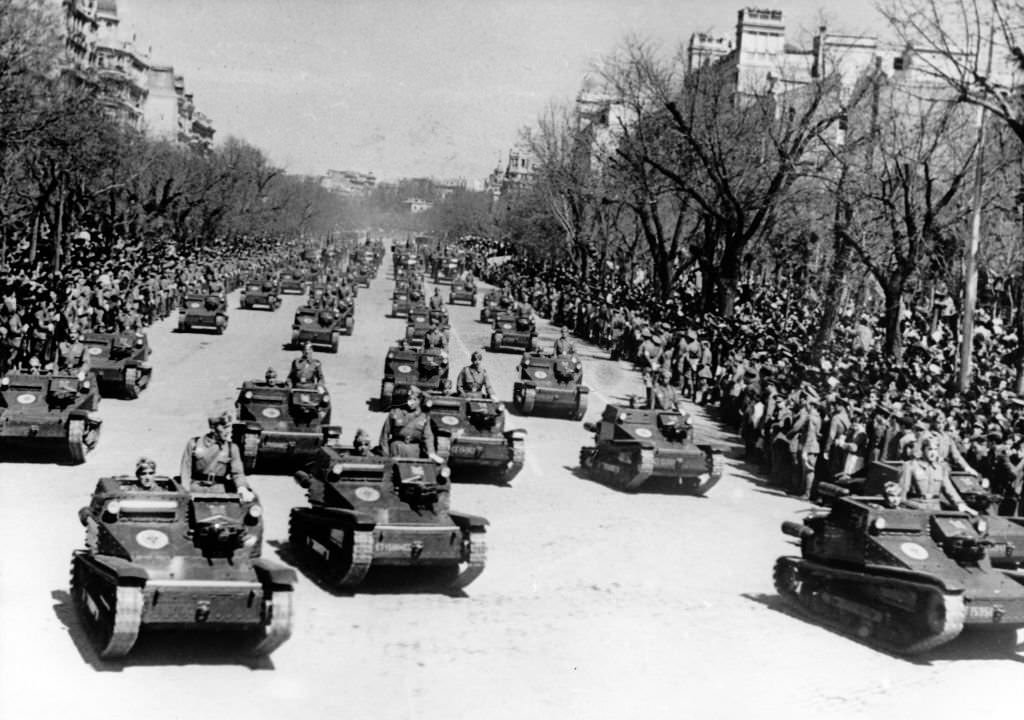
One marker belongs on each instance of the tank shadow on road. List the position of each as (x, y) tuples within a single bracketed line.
[(969, 645), (656, 486), (160, 647), (378, 581)]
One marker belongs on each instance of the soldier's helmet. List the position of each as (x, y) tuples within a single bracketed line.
[(477, 355)]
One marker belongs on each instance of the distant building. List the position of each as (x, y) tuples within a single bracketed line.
[(132, 89), (415, 205), (349, 182)]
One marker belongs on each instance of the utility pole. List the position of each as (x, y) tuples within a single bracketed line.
[(971, 252)]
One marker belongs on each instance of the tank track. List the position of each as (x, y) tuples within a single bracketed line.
[(715, 463), (115, 636), (912, 618), (76, 441), (642, 469), (518, 458), (277, 623), (529, 400), (581, 406), (352, 570), (131, 383), (477, 561)]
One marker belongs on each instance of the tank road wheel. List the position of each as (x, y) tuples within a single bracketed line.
[(387, 392), (529, 400), (475, 554), (222, 323), (587, 459), (76, 440), (250, 451), (639, 471), (334, 342), (112, 619), (787, 579), (581, 406), (131, 383), (496, 339), (518, 458), (277, 621)]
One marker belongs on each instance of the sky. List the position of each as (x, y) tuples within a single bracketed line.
[(408, 88)]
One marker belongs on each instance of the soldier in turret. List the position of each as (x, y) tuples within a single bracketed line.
[(213, 459), (473, 378), (306, 370), (407, 431)]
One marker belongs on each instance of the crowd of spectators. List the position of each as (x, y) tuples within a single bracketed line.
[(111, 285), (808, 413)]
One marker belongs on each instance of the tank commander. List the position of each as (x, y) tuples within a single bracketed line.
[(925, 481), (213, 459), (407, 431), (472, 380), (306, 370), (270, 379), (362, 445), (72, 357), (563, 345), (436, 301)]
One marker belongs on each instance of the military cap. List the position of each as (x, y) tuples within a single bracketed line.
[(219, 419)]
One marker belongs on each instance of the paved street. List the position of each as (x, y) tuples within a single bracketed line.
[(594, 603)]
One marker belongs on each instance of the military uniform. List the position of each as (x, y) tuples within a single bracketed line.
[(72, 357), (306, 372), (471, 380), (206, 461), (923, 483), (434, 338), (564, 346), (407, 433)]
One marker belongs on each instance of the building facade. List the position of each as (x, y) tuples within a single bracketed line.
[(133, 90)]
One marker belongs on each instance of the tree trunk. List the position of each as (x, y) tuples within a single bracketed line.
[(836, 277), (893, 290)]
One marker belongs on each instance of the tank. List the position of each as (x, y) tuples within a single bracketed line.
[(362, 274), (493, 303), (471, 436), (462, 292), (120, 362), (48, 417), (292, 283), (378, 512), (635, 446), (902, 579), (405, 367), (167, 559), (203, 312), (260, 295), (512, 333), (446, 270), (323, 328), (282, 426), (549, 385), (400, 303), (419, 322)]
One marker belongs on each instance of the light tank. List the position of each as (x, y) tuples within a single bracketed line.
[(903, 579), (369, 511), (550, 385), (164, 558), (48, 417), (470, 435), (634, 446), (119, 362)]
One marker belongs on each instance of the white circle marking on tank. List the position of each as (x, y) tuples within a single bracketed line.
[(540, 374), (449, 420), (404, 369), (367, 494), (914, 551), (271, 412), (26, 399), (95, 350), (643, 432), (152, 539)]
